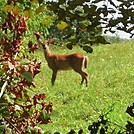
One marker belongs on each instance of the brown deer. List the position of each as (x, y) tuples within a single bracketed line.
[(57, 62)]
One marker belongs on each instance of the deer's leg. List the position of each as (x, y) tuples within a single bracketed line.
[(83, 74), (82, 80), (86, 78), (54, 77)]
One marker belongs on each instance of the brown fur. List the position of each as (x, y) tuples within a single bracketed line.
[(57, 62)]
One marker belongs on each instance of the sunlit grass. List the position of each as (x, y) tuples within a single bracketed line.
[(111, 87)]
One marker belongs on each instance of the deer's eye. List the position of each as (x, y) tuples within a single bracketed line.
[(44, 46)]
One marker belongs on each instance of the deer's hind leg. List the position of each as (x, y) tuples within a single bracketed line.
[(83, 74)]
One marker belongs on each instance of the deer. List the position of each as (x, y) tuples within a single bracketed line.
[(56, 62)]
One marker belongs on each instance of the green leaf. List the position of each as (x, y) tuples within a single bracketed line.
[(62, 25), (27, 76), (1, 72), (8, 98), (4, 127), (40, 9), (85, 41), (88, 49), (40, 1), (99, 39), (48, 132), (62, 2), (69, 46), (102, 40), (46, 117), (5, 113)]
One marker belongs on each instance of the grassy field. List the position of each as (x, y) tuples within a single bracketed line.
[(111, 87)]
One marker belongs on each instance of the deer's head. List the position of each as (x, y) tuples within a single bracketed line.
[(44, 44)]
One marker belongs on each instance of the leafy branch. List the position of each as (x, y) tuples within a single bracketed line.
[(19, 111)]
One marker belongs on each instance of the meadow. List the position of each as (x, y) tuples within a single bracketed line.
[(110, 90)]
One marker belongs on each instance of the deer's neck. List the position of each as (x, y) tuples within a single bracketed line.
[(47, 53)]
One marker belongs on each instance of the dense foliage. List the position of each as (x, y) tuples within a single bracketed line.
[(102, 125), (20, 111), (78, 22)]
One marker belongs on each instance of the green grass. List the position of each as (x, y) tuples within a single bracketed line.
[(111, 87)]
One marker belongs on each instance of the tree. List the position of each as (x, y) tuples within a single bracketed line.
[(19, 111), (97, 13)]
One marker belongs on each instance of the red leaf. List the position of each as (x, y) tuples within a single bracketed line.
[(42, 96), (26, 83), (5, 57), (21, 26), (17, 92), (25, 56), (43, 105), (49, 107), (38, 114), (11, 108), (28, 107), (4, 27), (34, 67), (28, 99), (32, 122), (10, 21), (36, 99), (38, 34), (51, 41), (25, 114), (30, 44), (33, 47)]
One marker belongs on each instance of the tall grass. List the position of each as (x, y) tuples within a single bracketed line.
[(111, 88)]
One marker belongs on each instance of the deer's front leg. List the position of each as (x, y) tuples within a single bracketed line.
[(54, 77)]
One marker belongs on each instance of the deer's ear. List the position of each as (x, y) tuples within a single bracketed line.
[(51, 41)]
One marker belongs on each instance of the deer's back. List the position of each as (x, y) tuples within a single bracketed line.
[(65, 62)]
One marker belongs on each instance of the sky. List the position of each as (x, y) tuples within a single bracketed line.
[(121, 34)]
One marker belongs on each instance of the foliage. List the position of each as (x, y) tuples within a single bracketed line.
[(19, 111), (85, 16), (79, 22), (102, 125)]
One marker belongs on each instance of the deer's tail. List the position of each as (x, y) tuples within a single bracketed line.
[(85, 61)]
